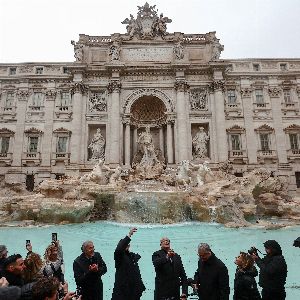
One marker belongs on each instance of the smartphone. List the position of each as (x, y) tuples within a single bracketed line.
[(54, 237), (27, 242)]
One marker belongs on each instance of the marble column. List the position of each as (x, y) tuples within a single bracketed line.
[(251, 145), (217, 88), (161, 140), (50, 97), (22, 97), (114, 88), (182, 146), (77, 91), (280, 138), (127, 143), (134, 142), (170, 152)]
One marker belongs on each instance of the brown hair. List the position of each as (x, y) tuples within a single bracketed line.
[(247, 261), (48, 251)]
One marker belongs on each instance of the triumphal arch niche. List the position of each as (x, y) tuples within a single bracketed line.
[(157, 82)]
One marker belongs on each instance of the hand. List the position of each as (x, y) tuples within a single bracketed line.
[(93, 268), (194, 286), (65, 287), (29, 247), (3, 282), (254, 256), (171, 253), (132, 231), (69, 296), (183, 296)]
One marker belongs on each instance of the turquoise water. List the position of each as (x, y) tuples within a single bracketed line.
[(225, 242)]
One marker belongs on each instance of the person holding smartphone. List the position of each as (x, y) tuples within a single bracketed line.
[(128, 280)]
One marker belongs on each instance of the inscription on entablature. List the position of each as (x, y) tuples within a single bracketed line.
[(269, 65), (242, 65), (147, 77), (26, 69), (147, 54), (203, 77), (52, 69), (294, 65), (97, 78)]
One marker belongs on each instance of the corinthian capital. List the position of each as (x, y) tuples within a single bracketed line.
[(51, 94), (217, 85), (246, 92), (114, 86), (22, 95), (79, 87), (274, 92), (181, 85)]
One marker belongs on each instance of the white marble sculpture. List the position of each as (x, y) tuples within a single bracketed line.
[(202, 170), (183, 174), (96, 175), (97, 146), (200, 143)]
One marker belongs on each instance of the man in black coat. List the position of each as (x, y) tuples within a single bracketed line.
[(273, 272), (211, 278), (14, 270), (128, 280), (88, 269), (170, 274)]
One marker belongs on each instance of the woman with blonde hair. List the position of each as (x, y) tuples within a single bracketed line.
[(54, 263), (245, 287)]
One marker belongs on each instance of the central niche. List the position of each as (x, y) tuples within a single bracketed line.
[(148, 110)]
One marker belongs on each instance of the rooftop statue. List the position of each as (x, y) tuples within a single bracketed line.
[(148, 24)]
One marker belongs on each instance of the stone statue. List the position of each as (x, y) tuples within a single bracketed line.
[(78, 51), (96, 175), (202, 170), (97, 146), (200, 143), (115, 177), (183, 174), (132, 26), (217, 48), (178, 50), (146, 143), (114, 51)]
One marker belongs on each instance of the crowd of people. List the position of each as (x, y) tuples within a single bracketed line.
[(43, 279)]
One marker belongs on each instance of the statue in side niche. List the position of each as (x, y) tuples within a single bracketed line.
[(97, 146), (200, 143)]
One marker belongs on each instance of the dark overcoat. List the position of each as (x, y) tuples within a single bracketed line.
[(90, 283), (212, 279), (245, 287), (170, 275), (128, 280)]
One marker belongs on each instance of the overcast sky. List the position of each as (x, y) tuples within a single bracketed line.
[(41, 30)]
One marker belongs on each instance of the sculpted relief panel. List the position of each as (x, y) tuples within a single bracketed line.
[(148, 54)]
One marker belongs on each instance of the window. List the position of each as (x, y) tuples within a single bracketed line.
[(39, 70), (259, 96), (12, 71), (37, 99), (264, 141), (10, 97), (297, 175), (65, 70), (235, 142), (256, 67), (287, 96), (62, 144), (65, 99), (294, 141), (4, 144), (283, 67), (231, 96), (33, 144)]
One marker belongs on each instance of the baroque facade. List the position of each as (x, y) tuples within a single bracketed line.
[(174, 83)]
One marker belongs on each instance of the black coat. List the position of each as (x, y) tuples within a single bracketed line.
[(13, 279), (273, 272), (212, 279), (90, 283), (245, 287), (170, 275), (128, 280), (10, 293)]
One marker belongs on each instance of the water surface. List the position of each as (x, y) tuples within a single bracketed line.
[(225, 242)]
